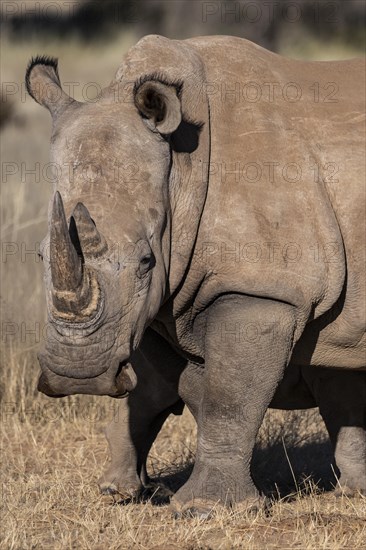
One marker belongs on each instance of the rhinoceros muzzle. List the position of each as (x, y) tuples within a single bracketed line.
[(76, 292), (80, 354), (114, 384)]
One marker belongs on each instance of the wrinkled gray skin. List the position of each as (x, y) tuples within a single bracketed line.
[(252, 276)]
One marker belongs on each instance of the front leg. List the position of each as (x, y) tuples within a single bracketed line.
[(141, 415), (130, 436), (248, 343)]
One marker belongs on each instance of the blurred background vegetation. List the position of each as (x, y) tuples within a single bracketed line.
[(90, 39), (268, 23)]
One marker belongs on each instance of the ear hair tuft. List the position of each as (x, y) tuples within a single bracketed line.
[(40, 60), (159, 77)]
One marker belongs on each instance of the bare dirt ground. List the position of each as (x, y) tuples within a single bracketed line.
[(53, 451)]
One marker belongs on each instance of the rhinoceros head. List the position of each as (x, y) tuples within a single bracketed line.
[(108, 253)]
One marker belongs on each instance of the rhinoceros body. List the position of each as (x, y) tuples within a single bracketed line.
[(216, 194)]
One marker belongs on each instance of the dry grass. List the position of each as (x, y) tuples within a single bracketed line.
[(54, 450)]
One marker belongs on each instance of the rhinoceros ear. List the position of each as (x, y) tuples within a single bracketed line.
[(43, 84), (159, 103)]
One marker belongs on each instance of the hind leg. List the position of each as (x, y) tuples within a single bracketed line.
[(341, 397)]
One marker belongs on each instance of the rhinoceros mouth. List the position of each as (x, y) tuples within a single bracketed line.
[(117, 385), (126, 380), (85, 367), (44, 387)]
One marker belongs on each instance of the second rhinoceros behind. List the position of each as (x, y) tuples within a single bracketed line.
[(214, 191)]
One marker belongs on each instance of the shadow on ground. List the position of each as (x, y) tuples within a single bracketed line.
[(279, 473)]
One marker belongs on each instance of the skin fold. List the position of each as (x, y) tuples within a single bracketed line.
[(214, 192)]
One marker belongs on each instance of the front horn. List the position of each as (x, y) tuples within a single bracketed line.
[(76, 291), (66, 265)]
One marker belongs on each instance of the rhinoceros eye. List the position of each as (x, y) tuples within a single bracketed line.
[(146, 263)]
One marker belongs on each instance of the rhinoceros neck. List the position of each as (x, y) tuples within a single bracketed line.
[(178, 62)]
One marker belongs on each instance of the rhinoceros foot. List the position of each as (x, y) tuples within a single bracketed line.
[(350, 492), (207, 509), (121, 488), (204, 500)]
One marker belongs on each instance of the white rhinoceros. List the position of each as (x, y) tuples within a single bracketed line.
[(216, 194)]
